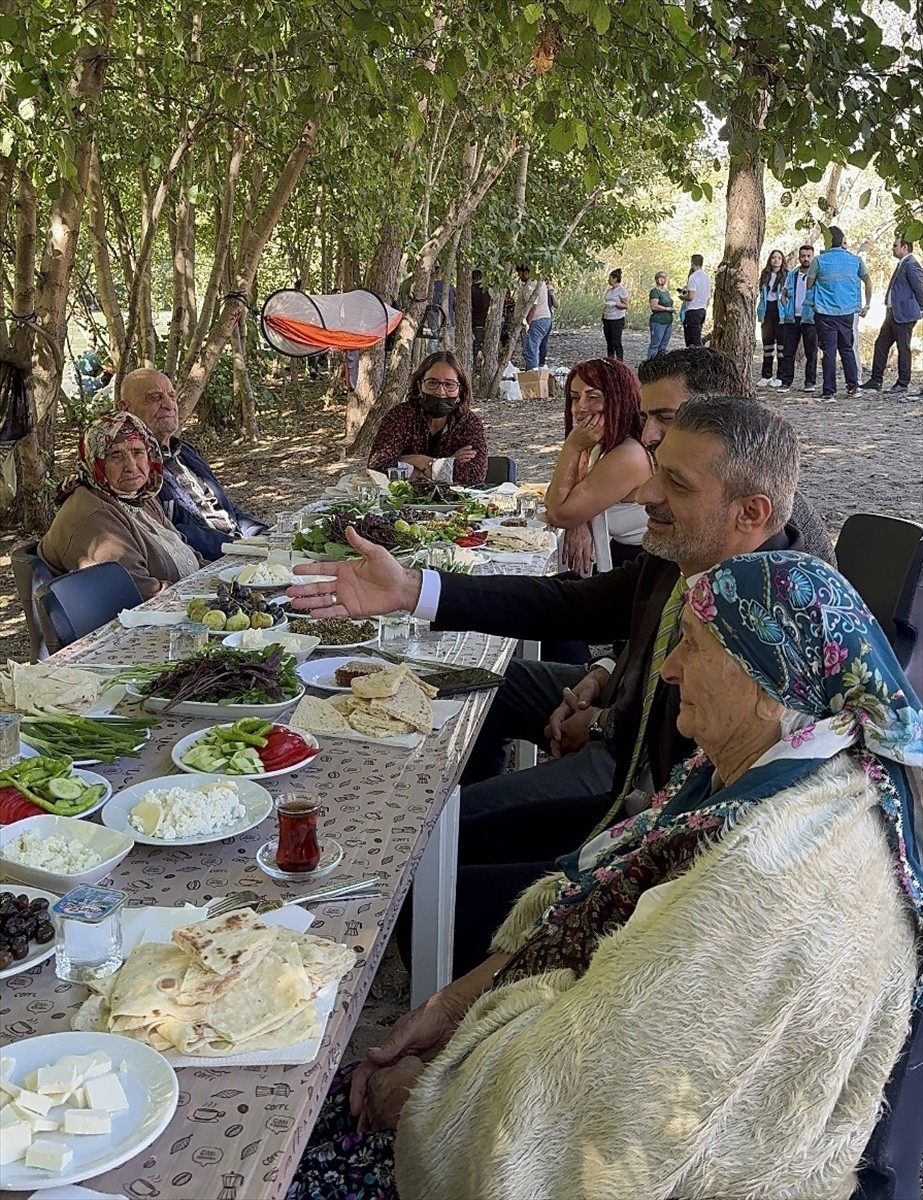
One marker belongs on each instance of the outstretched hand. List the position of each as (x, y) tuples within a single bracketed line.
[(366, 587)]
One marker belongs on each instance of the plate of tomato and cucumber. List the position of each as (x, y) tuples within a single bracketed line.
[(247, 749), (39, 784)]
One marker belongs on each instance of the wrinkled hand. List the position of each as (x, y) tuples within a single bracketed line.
[(578, 551), (419, 1035), (575, 731), (586, 433), (579, 699), (387, 1093), (465, 455), (376, 584), (422, 462)]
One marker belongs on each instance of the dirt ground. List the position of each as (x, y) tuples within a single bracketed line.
[(859, 454)]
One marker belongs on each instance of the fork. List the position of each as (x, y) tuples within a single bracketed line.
[(217, 908)]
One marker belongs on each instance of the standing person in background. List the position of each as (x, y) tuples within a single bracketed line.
[(797, 316), (552, 305), (480, 305), (903, 305), (533, 314), (695, 296), (835, 292), (446, 303), (767, 312), (661, 320), (615, 310)]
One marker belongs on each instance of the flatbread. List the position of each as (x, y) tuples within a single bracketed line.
[(344, 703), (148, 982), (377, 725), (318, 716), (38, 685), (408, 704), (381, 684), (236, 942)]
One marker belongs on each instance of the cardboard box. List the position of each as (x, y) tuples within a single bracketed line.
[(537, 384)]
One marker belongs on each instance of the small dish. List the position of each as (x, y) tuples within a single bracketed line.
[(110, 844), (331, 855)]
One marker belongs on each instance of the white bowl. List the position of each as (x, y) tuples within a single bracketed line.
[(306, 643), (109, 844)]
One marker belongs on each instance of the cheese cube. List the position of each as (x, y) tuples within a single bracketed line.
[(30, 1083), (38, 1123), (5, 1098), (106, 1092), (8, 1116), (78, 1098), (34, 1102), (97, 1063), (7, 1067), (48, 1156), (10, 1090), (15, 1140), (88, 1120), (57, 1080)]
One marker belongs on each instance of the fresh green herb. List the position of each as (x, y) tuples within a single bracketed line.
[(220, 675), (54, 732), (50, 784)]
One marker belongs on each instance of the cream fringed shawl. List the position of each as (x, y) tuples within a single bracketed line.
[(729, 1042)]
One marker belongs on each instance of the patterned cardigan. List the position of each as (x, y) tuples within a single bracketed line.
[(405, 430)]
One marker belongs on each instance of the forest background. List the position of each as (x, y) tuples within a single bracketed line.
[(192, 158)]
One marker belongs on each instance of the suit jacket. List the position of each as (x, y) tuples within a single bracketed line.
[(905, 291), (615, 606), (183, 512)]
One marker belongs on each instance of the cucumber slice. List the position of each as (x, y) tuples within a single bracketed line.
[(66, 789)]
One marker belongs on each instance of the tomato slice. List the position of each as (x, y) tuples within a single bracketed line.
[(471, 539), (284, 748), (15, 807)]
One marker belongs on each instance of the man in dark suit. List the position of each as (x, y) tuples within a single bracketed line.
[(191, 495), (903, 308)]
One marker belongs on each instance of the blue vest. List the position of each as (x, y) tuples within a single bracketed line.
[(837, 286)]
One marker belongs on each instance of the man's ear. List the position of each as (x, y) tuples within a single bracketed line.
[(755, 513)]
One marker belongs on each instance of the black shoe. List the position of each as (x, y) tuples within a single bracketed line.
[(828, 397), (898, 388), (870, 386), (851, 391)]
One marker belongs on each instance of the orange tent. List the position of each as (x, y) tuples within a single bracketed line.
[(300, 325)]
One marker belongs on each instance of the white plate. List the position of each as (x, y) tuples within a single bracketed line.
[(217, 712), (151, 1088), (501, 523), (27, 751), (187, 742), (372, 641), (37, 954), (256, 801), (321, 672), (89, 777), (307, 644), (230, 574), (443, 711)]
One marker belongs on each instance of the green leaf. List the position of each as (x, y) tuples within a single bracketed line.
[(546, 113), (9, 28), (602, 19), (913, 231), (533, 13), (865, 198), (562, 137), (26, 110), (363, 20)]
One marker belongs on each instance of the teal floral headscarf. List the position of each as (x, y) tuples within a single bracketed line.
[(802, 632)]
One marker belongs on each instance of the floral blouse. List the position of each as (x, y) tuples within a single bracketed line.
[(405, 430)]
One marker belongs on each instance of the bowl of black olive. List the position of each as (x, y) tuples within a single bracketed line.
[(26, 929)]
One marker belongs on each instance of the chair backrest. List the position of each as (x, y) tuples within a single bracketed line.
[(30, 573), (879, 555), (500, 469), (77, 603), (908, 623)]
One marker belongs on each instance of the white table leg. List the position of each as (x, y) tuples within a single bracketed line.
[(526, 753), (434, 906)]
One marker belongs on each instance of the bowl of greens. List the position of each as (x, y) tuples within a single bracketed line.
[(222, 683)]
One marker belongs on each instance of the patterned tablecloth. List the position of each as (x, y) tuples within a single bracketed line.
[(239, 1132)]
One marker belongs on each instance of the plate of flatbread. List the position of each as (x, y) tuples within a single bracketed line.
[(392, 706), (237, 989)]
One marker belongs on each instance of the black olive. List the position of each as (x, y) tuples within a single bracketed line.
[(4, 942), (44, 933), (22, 902), (6, 959), (31, 926), (19, 950), (15, 926), (8, 907), (39, 904), (4, 896)]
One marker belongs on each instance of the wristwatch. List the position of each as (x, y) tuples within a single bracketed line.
[(596, 731)]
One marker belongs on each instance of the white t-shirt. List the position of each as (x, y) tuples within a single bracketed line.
[(540, 300), (612, 312), (699, 283)]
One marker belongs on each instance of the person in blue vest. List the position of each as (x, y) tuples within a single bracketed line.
[(835, 279), (797, 318), (191, 496), (903, 308)]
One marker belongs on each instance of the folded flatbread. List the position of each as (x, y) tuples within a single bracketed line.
[(318, 716), (236, 942), (38, 685), (408, 705), (380, 684)]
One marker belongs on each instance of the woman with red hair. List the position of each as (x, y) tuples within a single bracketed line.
[(601, 465)]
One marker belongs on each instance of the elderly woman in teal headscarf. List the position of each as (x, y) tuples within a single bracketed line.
[(108, 511), (710, 997)]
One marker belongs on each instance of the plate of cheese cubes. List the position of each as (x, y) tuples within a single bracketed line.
[(73, 1105)]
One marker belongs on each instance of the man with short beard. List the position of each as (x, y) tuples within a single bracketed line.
[(191, 495), (727, 470)]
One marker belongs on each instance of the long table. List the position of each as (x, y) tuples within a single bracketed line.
[(239, 1131)]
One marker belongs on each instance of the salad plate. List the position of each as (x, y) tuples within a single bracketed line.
[(185, 744)]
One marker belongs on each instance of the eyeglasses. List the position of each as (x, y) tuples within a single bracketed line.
[(449, 386)]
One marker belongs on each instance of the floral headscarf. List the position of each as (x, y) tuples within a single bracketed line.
[(95, 443), (803, 633)]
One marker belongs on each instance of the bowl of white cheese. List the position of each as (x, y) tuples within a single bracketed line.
[(59, 853)]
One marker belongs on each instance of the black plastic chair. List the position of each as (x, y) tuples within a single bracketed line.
[(77, 603), (30, 573), (500, 469), (882, 557)]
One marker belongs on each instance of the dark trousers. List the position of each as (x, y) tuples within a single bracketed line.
[(692, 326), (792, 335), (892, 331), (834, 335), (771, 336), (613, 331)]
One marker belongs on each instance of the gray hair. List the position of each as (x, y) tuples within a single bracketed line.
[(760, 449)]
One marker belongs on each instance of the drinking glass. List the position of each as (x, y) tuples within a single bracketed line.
[(298, 848), (394, 632), (9, 739), (438, 558), (367, 493), (186, 639), (527, 506)]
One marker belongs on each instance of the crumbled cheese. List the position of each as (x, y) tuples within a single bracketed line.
[(256, 639), (58, 855), (171, 813)]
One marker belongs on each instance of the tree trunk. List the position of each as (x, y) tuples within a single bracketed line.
[(491, 353), (142, 307), (99, 249), (243, 387), (193, 385), (463, 335), (737, 277), (501, 356), (399, 363), (182, 237)]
